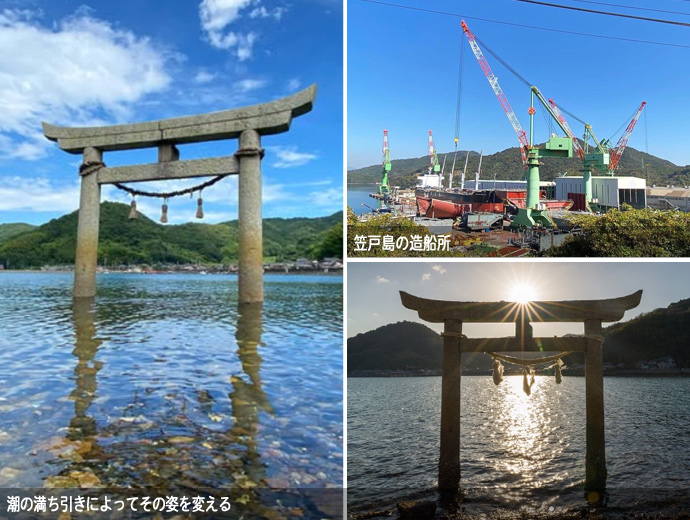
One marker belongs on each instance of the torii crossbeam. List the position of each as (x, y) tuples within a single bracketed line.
[(454, 314), (246, 124)]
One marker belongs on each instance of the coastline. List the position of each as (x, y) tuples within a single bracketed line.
[(623, 372)]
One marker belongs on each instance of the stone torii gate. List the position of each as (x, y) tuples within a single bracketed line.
[(454, 314), (246, 124)]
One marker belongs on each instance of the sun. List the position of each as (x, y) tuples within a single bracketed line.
[(522, 292)]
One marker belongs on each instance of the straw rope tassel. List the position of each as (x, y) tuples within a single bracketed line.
[(498, 372), (164, 211), (525, 384), (557, 370), (199, 207), (133, 210)]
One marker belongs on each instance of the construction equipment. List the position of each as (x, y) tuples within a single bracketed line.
[(479, 169), (433, 156), (534, 214), (433, 178), (493, 81), (462, 179), (384, 190), (623, 142), (604, 159), (598, 159)]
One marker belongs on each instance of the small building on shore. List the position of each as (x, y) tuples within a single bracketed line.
[(608, 192), (669, 198)]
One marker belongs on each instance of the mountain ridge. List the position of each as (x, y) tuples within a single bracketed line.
[(663, 332), (507, 165), (143, 241)]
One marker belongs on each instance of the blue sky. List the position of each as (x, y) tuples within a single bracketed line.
[(77, 63), (662, 283), (403, 70)]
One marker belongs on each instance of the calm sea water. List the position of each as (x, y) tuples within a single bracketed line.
[(358, 194), (519, 452), (161, 382)]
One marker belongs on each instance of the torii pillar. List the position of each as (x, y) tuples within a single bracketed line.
[(454, 314), (246, 124)]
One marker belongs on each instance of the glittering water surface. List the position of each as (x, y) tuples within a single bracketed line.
[(519, 451), (162, 381)]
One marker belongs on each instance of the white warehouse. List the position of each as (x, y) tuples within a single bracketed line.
[(610, 192)]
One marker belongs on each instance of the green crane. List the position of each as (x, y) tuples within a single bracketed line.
[(603, 158), (384, 190), (533, 214)]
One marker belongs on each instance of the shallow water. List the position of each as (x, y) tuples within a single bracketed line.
[(162, 382), (519, 452)]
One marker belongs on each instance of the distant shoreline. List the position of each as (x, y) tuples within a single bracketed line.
[(320, 272), (676, 372)]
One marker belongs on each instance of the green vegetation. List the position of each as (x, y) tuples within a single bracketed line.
[(390, 225), (508, 165), (639, 233), (10, 230), (142, 241)]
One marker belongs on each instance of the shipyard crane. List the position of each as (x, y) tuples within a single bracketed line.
[(433, 156), (597, 159), (493, 81), (604, 159), (384, 189), (433, 178), (534, 213), (623, 142)]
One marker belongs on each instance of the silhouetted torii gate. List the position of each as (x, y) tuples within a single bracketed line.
[(454, 314), (246, 124)]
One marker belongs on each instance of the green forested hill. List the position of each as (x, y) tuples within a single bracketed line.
[(143, 241), (508, 165), (10, 230)]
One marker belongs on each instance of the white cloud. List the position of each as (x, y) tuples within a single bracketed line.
[(68, 73), (289, 157), (438, 268), (247, 85), (326, 198), (18, 193), (294, 84), (203, 76), (262, 12), (426, 277), (381, 279), (218, 15)]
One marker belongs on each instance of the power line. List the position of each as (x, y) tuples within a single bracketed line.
[(527, 26), (620, 15), (631, 7)]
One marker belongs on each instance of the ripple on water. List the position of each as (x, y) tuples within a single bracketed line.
[(518, 450), (163, 382)]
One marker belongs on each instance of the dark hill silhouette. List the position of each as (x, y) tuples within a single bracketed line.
[(663, 332)]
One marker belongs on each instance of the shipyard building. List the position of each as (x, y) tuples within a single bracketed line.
[(669, 197), (609, 192)]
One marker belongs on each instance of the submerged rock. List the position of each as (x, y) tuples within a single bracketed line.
[(413, 510)]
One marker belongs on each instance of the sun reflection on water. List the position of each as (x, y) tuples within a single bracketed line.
[(523, 434)]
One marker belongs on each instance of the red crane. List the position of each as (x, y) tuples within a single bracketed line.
[(623, 141), (493, 81)]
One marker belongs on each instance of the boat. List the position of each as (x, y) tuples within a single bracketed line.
[(453, 203)]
